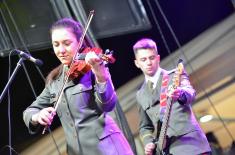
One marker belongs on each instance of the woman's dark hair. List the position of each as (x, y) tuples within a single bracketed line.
[(68, 23), (54, 74)]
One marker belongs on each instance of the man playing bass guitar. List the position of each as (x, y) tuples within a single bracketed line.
[(164, 102)]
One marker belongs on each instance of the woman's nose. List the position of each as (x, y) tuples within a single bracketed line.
[(62, 49)]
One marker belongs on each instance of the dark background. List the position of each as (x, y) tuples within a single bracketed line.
[(187, 18)]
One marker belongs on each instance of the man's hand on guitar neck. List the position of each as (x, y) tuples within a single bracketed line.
[(148, 149), (175, 94)]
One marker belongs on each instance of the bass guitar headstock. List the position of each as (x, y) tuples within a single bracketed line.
[(179, 70)]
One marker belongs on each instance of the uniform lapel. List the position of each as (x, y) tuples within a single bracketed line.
[(145, 96), (156, 92)]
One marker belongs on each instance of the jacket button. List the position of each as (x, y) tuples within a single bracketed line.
[(71, 124), (111, 130)]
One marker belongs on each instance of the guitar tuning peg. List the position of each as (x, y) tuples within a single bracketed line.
[(108, 52)]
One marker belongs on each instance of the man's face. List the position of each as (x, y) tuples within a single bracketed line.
[(147, 60)]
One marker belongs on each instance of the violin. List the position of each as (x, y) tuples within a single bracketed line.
[(80, 67)]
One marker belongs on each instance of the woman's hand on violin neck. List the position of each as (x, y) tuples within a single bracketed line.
[(97, 67), (44, 116), (93, 59)]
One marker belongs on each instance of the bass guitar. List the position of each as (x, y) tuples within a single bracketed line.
[(161, 138)]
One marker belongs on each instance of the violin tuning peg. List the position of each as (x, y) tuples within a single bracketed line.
[(111, 52), (107, 51)]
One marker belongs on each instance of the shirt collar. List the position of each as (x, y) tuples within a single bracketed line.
[(154, 78)]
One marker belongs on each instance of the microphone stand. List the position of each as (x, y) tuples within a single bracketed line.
[(11, 78)]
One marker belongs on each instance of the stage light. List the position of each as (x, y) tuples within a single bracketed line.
[(206, 118)]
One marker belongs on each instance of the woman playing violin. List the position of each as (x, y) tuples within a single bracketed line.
[(85, 102)]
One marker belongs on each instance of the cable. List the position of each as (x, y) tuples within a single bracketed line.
[(26, 72), (171, 30), (57, 148), (160, 31), (7, 146), (9, 103), (183, 53), (123, 124), (22, 41)]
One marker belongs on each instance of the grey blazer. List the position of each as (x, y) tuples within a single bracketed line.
[(83, 114), (189, 137)]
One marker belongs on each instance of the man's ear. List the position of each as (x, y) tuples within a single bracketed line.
[(136, 64), (158, 57)]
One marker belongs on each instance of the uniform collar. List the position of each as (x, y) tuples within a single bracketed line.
[(154, 78)]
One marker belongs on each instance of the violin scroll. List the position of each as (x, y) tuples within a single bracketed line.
[(107, 56)]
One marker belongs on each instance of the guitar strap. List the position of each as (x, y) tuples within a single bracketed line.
[(163, 95)]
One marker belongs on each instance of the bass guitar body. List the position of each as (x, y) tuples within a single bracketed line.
[(165, 150), (161, 153)]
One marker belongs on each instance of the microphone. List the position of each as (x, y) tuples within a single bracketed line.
[(29, 57)]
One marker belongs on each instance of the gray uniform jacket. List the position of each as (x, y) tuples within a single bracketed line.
[(83, 115), (189, 138)]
